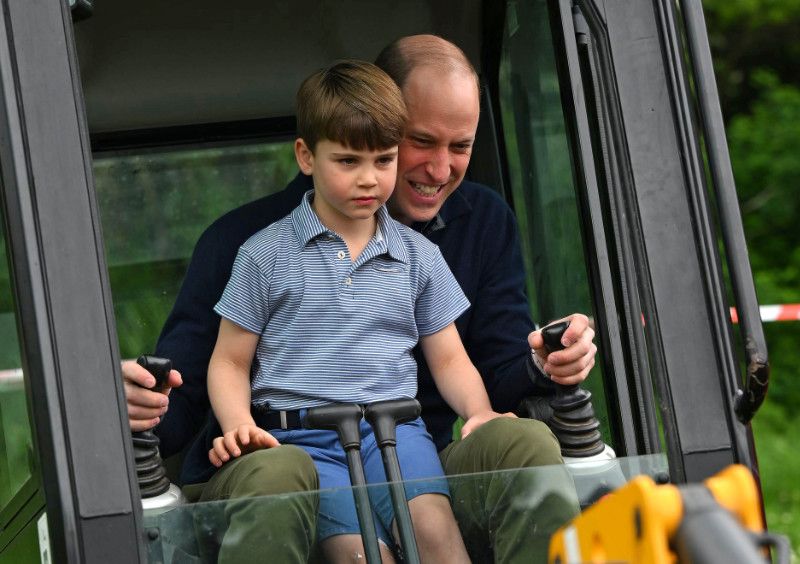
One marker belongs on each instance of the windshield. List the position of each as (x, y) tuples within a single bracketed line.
[(197, 532)]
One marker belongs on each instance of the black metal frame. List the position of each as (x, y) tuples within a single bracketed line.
[(197, 134), (636, 139), (69, 352), (654, 223), (748, 400), (606, 293), (701, 453)]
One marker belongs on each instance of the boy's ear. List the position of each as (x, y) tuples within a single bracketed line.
[(304, 156)]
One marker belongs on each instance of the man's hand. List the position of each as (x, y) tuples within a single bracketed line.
[(571, 365), (479, 419), (145, 406), (241, 440)]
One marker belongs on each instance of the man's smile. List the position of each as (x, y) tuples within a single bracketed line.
[(427, 190)]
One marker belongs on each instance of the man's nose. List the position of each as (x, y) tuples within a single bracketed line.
[(438, 166)]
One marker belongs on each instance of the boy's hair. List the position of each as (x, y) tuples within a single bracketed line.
[(353, 103), (403, 55)]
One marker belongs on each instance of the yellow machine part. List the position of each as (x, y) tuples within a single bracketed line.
[(635, 522)]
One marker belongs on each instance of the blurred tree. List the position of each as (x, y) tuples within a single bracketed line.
[(763, 145), (748, 36), (756, 46)]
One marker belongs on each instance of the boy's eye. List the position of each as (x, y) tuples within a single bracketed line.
[(386, 160), (347, 161)]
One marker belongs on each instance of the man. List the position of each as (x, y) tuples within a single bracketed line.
[(477, 235)]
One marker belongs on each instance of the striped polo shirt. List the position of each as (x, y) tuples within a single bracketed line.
[(332, 329)]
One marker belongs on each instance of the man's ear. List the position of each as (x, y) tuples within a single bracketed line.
[(304, 156)]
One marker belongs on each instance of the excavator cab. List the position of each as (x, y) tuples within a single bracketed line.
[(128, 127)]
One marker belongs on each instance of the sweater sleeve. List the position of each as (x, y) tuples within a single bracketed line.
[(496, 337), (189, 336)]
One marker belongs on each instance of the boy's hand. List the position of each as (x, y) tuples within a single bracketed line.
[(479, 419), (145, 406), (571, 365), (241, 440)]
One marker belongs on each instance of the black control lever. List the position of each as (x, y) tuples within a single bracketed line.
[(150, 472), (574, 422), (384, 416), (344, 418)]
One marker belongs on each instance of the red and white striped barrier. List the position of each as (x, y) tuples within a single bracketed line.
[(769, 313)]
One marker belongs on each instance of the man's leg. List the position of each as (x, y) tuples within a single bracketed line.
[(272, 530), (509, 516)]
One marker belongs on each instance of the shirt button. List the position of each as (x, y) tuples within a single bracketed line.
[(340, 254), (348, 281)]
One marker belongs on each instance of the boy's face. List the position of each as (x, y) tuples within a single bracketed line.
[(349, 185)]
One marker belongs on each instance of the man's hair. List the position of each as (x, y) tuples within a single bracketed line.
[(403, 55), (353, 103)]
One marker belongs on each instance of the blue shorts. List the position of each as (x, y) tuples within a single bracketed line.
[(337, 511)]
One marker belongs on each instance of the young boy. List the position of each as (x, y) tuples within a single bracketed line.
[(326, 306)]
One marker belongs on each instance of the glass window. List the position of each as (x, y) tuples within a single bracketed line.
[(17, 457), (195, 532), (154, 205), (542, 186)]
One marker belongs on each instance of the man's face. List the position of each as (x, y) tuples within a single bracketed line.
[(443, 114)]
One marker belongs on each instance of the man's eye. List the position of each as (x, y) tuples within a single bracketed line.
[(462, 147), (421, 141)]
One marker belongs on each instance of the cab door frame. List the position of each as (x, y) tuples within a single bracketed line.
[(59, 277), (639, 165)]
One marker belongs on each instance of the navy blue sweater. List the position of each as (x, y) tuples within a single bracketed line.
[(477, 234)]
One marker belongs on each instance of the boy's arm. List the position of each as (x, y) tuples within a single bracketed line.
[(229, 375), (456, 377), (229, 393)]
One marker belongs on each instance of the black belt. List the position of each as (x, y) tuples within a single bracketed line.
[(274, 419)]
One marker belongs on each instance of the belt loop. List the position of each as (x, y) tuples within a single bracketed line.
[(284, 423)]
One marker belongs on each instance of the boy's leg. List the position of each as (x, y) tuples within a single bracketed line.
[(346, 549), (337, 525), (275, 529), (435, 528), (509, 517)]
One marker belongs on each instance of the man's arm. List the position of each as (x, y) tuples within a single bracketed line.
[(499, 321), (189, 335), (499, 335)]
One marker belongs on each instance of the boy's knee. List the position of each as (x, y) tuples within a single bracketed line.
[(518, 443), (435, 528), (283, 469)]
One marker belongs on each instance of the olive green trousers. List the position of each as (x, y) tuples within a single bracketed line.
[(244, 526), (505, 514)]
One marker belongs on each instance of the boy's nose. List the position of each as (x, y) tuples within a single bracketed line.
[(367, 178)]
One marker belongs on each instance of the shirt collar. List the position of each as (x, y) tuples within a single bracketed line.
[(307, 226)]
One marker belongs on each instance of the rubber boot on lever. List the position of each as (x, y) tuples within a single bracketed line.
[(384, 416), (345, 419)]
